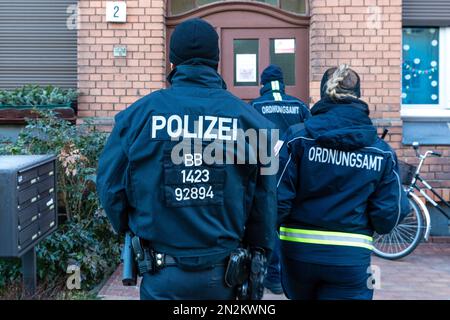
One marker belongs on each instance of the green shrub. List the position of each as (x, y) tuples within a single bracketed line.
[(77, 148), (34, 95), (88, 244), (85, 236)]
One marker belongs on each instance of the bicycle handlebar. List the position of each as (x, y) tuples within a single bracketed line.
[(430, 153), (436, 154), (416, 146)]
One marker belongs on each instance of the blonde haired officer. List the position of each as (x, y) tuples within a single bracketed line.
[(338, 184)]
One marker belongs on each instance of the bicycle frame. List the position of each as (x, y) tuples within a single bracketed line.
[(434, 203), (414, 185), (425, 212)]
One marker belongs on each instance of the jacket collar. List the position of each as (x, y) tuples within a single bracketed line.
[(326, 104), (196, 76), (272, 86), (343, 124)]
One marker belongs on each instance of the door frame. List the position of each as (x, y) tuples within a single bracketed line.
[(276, 18), (251, 6)]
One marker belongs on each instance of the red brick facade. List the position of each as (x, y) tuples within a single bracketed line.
[(367, 34), (109, 84)]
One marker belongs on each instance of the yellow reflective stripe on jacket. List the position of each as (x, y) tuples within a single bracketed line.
[(326, 237), (330, 233)]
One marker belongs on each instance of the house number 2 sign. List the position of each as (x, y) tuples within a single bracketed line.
[(116, 11)]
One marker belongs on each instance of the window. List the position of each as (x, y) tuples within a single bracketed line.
[(246, 62), (420, 66), (180, 6), (272, 2), (293, 6), (282, 53), (425, 69)]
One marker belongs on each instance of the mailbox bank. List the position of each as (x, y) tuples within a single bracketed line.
[(28, 208)]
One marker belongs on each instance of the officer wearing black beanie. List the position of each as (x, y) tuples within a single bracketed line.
[(285, 112), (189, 215), (281, 109), (194, 42)]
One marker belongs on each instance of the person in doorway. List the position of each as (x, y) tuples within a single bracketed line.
[(338, 184), (274, 104), (189, 215), (284, 111)]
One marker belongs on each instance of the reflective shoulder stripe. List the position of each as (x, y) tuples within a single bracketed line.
[(326, 238), (277, 96), (275, 85)]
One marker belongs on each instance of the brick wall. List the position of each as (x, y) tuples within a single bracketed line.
[(108, 84), (367, 34)]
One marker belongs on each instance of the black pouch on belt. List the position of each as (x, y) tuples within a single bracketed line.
[(238, 268)]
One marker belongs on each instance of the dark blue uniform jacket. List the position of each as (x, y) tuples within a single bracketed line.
[(281, 109), (195, 211), (337, 175)]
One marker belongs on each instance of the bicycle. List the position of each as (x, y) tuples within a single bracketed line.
[(406, 236)]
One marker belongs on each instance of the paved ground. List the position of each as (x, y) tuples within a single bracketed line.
[(425, 274)]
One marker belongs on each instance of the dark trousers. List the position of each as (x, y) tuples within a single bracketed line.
[(173, 283), (273, 270), (309, 281)]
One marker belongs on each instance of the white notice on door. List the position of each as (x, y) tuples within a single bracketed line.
[(246, 68), (284, 46)]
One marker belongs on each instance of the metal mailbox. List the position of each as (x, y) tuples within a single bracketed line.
[(28, 207)]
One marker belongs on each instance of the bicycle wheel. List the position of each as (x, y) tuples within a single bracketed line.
[(404, 238)]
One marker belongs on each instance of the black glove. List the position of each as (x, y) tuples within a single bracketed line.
[(253, 288)]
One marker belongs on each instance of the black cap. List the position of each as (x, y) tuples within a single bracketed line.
[(194, 41), (271, 73)]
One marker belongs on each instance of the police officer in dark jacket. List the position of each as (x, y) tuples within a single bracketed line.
[(338, 184), (190, 211), (274, 104), (284, 111)]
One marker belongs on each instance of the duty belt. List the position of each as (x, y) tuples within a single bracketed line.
[(148, 260), (326, 237)]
